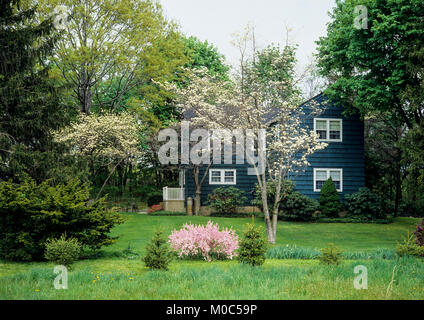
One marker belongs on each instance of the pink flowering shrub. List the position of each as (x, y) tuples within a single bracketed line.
[(208, 242)]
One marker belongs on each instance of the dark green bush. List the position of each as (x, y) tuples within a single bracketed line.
[(154, 198), (63, 251), (30, 214), (365, 204), (158, 255), (298, 207), (252, 246), (329, 200), (225, 200), (330, 255)]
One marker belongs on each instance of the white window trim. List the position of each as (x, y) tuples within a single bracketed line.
[(328, 129), (328, 176), (223, 176)]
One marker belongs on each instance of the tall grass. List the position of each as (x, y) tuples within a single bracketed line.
[(401, 278), (294, 252)]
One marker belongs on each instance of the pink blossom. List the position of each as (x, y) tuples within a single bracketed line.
[(207, 241)]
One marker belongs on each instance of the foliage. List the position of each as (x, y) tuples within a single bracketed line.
[(30, 103), (363, 73), (154, 198), (413, 162), (330, 255), (63, 251), (411, 208), (225, 200), (292, 252), (103, 137), (103, 141), (155, 208), (143, 191), (329, 199), (385, 164), (365, 204), (158, 255), (124, 46), (205, 55), (130, 253), (295, 252), (207, 242), (253, 246), (191, 280), (298, 207), (355, 220), (31, 213), (409, 247), (419, 234)]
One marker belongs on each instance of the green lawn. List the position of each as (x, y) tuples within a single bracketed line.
[(139, 228), (112, 276)]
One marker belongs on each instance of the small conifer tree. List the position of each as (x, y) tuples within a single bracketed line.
[(331, 255), (158, 255), (253, 246), (329, 200)]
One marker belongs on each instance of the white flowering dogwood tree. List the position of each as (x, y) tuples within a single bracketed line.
[(103, 140), (271, 101)]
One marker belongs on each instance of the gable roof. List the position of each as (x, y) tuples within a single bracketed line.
[(269, 117)]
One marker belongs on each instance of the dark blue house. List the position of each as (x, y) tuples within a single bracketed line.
[(342, 159)]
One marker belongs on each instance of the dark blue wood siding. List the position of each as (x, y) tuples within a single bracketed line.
[(347, 155)]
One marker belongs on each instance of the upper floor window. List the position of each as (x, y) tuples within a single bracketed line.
[(222, 176), (322, 175), (328, 129)]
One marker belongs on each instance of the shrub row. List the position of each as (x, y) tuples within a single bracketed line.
[(362, 206)]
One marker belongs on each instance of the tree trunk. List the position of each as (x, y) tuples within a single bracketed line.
[(274, 224), (398, 186), (85, 96), (268, 223), (107, 179)]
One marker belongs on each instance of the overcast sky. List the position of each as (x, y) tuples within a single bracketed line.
[(217, 20)]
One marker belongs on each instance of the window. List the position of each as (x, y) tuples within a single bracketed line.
[(328, 129), (322, 175), (222, 176)]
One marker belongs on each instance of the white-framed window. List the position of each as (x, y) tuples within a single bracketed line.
[(329, 129), (222, 176), (323, 174)]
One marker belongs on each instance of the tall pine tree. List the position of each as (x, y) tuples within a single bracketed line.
[(30, 105)]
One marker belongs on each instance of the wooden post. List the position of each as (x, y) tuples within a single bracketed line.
[(190, 206)]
